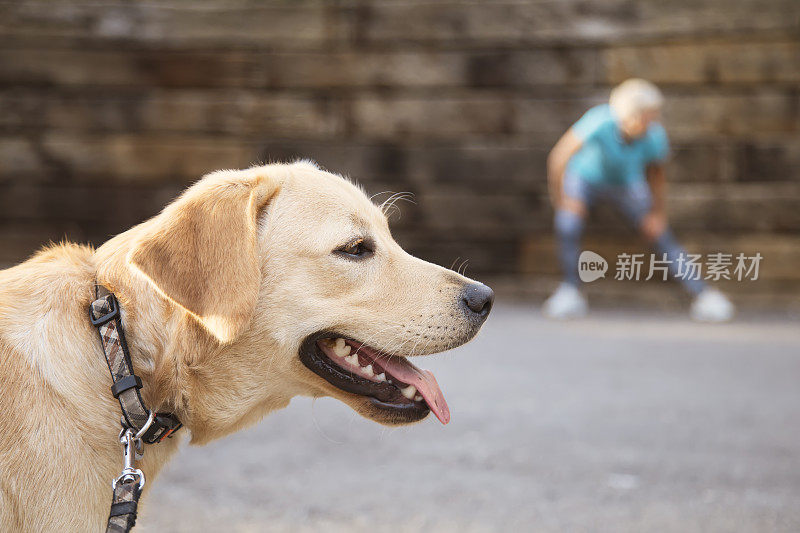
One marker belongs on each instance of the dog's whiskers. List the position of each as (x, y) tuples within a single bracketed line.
[(464, 266), (389, 205)]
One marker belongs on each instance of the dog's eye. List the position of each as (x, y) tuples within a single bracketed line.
[(355, 249)]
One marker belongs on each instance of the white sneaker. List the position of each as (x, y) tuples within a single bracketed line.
[(711, 306), (566, 302)]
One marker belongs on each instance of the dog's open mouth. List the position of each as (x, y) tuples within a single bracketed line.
[(391, 382)]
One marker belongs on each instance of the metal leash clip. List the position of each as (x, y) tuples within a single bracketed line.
[(131, 451)]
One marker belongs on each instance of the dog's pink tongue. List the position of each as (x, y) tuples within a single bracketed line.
[(423, 380)]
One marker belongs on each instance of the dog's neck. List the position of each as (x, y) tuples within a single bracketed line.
[(150, 327), (182, 365)]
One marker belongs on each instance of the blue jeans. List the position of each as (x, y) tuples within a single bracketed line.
[(634, 201)]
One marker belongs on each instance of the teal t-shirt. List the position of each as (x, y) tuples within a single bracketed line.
[(605, 157)]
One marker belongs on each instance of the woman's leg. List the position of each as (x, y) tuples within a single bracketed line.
[(569, 223), (567, 301), (666, 244), (636, 202), (569, 228)]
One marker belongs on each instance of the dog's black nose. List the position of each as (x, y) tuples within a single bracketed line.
[(477, 300)]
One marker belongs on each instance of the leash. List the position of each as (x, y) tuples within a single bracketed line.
[(139, 424)]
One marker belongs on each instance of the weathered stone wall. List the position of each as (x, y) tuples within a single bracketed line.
[(108, 109)]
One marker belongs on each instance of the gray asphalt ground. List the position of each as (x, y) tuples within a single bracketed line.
[(618, 422)]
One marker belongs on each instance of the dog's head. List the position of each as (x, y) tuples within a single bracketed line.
[(300, 289)]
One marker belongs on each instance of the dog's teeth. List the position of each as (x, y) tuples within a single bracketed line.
[(352, 359), (342, 352), (367, 371), (417, 398), (381, 377), (341, 348), (409, 391)]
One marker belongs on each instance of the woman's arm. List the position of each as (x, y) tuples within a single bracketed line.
[(657, 179), (655, 222), (567, 146)]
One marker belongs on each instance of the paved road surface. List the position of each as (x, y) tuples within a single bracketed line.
[(619, 422)]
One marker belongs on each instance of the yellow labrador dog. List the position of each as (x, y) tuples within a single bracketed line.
[(252, 287)]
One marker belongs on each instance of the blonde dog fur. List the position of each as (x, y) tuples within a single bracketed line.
[(217, 292)]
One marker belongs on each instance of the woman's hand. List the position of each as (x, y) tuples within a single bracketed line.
[(653, 224)]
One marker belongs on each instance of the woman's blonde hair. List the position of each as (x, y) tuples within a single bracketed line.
[(635, 96)]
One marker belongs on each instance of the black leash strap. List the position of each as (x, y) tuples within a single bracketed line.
[(139, 424), (127, 487), (123, 508)]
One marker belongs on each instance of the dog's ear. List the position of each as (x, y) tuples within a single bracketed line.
[(201, 251)]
